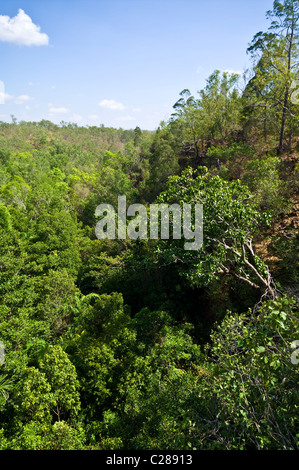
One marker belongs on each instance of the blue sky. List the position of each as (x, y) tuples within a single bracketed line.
[(121, 63)]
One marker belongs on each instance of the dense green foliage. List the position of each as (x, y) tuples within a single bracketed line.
[(141, 344)]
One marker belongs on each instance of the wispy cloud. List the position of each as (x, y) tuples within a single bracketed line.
[(21, 99), (59, 110), (21, 30), (5, 97), (112, 105), (77, 117)]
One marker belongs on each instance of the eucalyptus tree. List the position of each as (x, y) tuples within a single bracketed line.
[(275, 53), (220, 106), (214, 116), (186, 109)]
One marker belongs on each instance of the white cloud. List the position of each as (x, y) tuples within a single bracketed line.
[(21, 30), (76, 117), (136, 110), (61, 110), (23, 99), (5, 97), (111, 104)]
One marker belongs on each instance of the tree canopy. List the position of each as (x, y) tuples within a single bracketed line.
[(139, 343)]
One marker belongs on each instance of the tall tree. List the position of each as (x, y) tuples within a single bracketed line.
[(214, 116), (219, 104), (186, 109), (276, 52)]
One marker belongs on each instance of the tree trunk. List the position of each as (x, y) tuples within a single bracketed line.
[(287, 92), (283, 121)]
